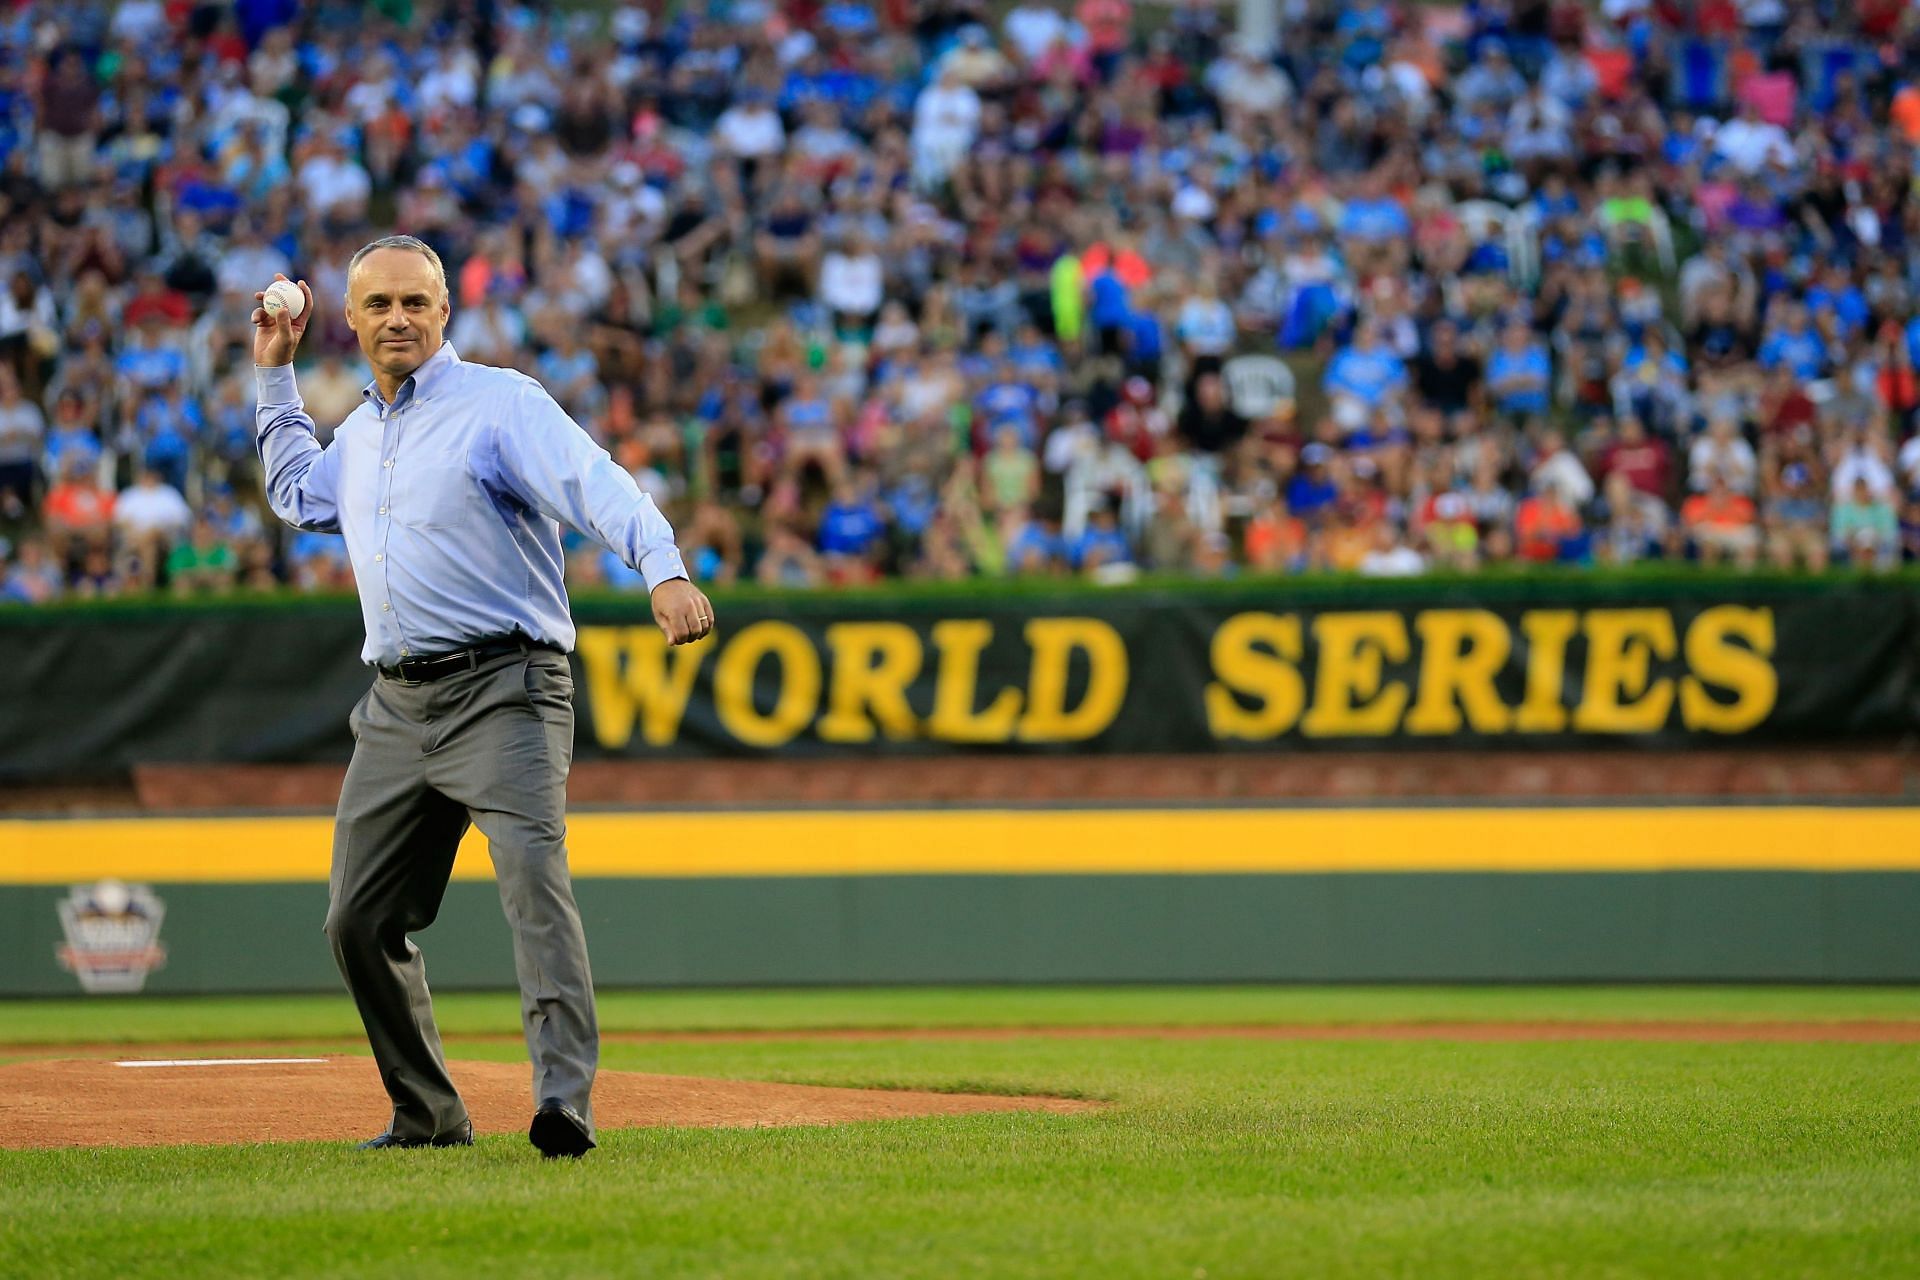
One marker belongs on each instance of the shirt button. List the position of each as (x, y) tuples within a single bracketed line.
[(383, 511), (386, 608), (378, 558), (387, 463)]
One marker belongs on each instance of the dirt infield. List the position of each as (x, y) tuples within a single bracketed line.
[(154, 1095), (94, 1102)]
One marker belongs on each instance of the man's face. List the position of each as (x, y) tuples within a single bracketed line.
[(397, 307)]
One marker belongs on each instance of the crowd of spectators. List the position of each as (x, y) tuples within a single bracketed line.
[(864, 288)]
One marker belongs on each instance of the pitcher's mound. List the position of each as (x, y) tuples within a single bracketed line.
[(149, 1102)]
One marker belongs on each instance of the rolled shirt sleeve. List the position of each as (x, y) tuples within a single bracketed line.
[(556, 468)]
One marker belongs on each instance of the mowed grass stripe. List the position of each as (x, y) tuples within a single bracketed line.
[(1054, 842), (331, 1019)]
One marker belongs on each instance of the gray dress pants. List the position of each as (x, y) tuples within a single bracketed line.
[(492, 747)]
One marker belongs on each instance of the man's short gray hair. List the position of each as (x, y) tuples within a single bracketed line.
[(412, 243)]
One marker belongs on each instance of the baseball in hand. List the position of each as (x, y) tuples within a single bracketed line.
[(285, 296)]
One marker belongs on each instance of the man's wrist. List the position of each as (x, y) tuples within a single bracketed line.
[(661, 566)]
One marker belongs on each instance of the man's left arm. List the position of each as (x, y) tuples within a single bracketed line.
[(559, 471)]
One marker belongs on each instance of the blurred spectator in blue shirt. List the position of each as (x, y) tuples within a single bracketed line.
[(1520, 373), (1100, 543)]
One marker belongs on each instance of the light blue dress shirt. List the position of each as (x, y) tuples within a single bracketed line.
[(451, 499)]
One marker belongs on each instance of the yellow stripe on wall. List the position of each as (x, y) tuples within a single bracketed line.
[(961, 842)]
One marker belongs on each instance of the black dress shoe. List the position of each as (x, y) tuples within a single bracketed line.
[(461, 1137), (558, 1130)]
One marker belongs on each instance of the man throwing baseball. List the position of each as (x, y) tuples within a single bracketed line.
[(450, 484)]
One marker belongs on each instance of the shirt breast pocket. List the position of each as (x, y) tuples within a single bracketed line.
[(434, 488)]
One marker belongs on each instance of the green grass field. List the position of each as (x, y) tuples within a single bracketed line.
[(1216, 1157)]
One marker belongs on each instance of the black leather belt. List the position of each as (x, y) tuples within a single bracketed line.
[(438, 666)]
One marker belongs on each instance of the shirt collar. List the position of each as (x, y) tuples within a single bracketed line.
[(423, 380)]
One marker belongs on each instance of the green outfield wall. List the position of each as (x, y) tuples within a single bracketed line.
[(1706, 926), (1604, 894), (1279, 666)]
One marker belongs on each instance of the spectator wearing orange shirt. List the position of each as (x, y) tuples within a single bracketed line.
[(1347, 541), (1547, 529), (1722, 524), (1276, 539), (1905, 112), (1129, 266), (77, 511), (495, 259)]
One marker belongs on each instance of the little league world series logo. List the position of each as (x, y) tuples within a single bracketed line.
[(113, 936)]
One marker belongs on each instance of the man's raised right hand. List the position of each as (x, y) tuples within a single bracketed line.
[(277, 336)]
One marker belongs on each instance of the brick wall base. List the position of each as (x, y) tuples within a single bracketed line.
[(1886, 775)]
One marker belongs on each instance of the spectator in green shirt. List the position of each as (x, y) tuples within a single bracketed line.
[(205, 563), (1865, 531), (1010, 474)]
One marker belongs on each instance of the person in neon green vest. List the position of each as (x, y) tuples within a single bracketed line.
[(1069, 297)]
